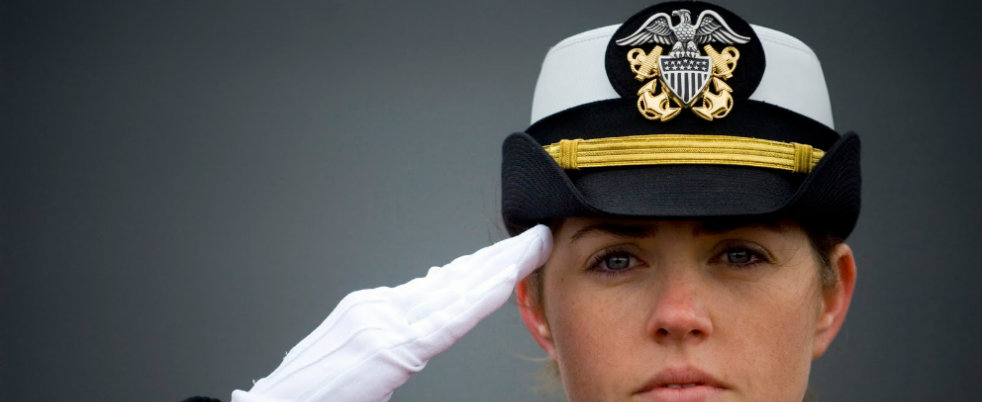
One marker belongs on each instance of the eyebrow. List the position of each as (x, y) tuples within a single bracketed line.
[(616, 229), (713, 226), (719, 226)]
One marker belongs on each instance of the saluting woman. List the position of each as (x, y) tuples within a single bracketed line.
[(683, 201)]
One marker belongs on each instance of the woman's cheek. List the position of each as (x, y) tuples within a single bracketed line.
[(593, 333), (588, 305), (775, 334)]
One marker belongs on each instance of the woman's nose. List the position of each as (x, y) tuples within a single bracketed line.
[(679, 313)]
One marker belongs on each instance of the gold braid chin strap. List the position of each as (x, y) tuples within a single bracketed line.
[(674, 149)]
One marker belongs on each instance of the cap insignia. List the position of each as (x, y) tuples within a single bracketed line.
[(689, 78)]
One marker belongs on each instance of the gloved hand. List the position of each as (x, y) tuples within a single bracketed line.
[(376, 338)]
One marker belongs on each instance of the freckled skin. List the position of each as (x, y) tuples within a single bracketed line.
[(755, 328)]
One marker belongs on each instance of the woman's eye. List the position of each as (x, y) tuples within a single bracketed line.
[(738, 256), (617, 262), (742, 256), (614, 261)]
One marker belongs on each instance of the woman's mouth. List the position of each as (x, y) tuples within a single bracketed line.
[(682, 384)]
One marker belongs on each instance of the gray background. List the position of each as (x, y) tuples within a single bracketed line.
[(189, 187)]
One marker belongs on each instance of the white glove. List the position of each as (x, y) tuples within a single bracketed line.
[(376, 338)]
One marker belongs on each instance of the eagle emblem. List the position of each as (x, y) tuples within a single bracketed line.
[(686, 75)]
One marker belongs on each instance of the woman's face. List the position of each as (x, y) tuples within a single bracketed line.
[(671, 310)]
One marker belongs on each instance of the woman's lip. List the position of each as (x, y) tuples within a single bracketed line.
[(681, 384), (696, 393)]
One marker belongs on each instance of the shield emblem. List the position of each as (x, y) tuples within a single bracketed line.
[(685, 76)]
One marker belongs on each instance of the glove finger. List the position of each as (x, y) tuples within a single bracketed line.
[(361, 329), (466, 271), (441, 328), (530, 250), (522, 256), (352, 311), (440, 323)]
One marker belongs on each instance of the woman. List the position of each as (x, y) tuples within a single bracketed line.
[(696, 198)]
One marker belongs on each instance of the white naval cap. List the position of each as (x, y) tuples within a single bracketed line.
[(683, 111)]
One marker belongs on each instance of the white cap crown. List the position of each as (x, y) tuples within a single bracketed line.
[(573, 73)]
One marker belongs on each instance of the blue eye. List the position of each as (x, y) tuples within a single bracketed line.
[(617, 261), (742, 257), (739, 256), (613, 262)]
